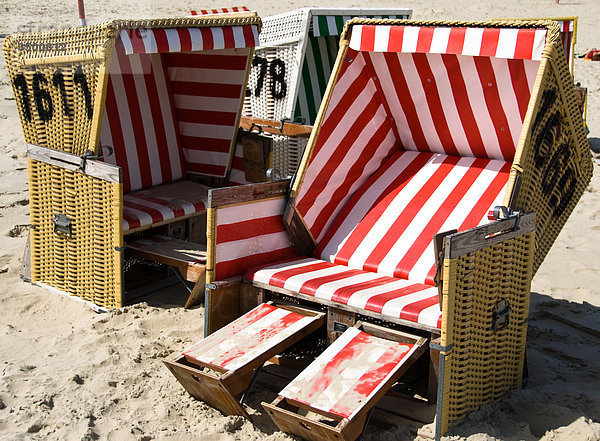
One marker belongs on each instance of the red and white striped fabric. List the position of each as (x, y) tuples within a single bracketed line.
[(344, 378), (220, 11), (567, 33), (158, 204), (248, 337), (208, 90), (237, 175), (152, 41), (524, 44), (248, 235), (139, 123), (366, 290), (388, 225)]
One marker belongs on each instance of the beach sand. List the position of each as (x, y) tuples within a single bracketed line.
[(68, 373)]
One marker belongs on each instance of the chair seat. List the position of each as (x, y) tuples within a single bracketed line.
[(373, 292), (344, 378), (162, 203)]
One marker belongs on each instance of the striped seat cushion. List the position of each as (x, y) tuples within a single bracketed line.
[(162, 203), (370, 291), (387, 225), (349, 373)]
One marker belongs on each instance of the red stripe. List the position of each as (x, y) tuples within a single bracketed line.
[(230, 268), (396, 38), (249, 40), (200, 143), (207, 39), (367, 38), (524, 44), (251, 271), (112, 114), (494, 106), (520, 85), (402, 90), (456, 40), (249, 228), (206, 89), (483, 205), (279, 278), (208, 117), (133, 106), (228, 38), (424, 39), (156, 215), (159, 121), (371, 379), (379, 207), (378, 301), (489, 42), (162, 42), (434, 102), (310, 286), (238, 163), (442, 213), (411, 311), (137, 41), (352, 135), (408, 214), (206, 61), (343, 294), (206, 169), (461, 97), (185, 39)]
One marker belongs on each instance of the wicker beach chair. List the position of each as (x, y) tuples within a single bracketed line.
[(425, 128), (128, 124)]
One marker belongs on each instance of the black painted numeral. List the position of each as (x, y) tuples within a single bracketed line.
[(58, 79), (276, 69), (80, 79), (21, 85), (42, 98)]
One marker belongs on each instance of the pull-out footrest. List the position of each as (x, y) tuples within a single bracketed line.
[(219, 369), (331, 398)]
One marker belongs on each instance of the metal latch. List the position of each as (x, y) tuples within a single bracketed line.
[(62, 225), (500, 213), (339, 327), (89, 155), (500, 315)]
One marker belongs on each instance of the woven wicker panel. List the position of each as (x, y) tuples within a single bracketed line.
[(554, 165), (57, 83), (86, 264), (482, 364), (287, 152)]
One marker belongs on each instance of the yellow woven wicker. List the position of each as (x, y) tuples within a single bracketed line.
[(59, 81)]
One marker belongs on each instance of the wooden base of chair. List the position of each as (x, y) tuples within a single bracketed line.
[(221, 368), (357, 370)]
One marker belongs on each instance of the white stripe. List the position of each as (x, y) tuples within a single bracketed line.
[(206, 130), (538, 44), (255, 210), (439, 42), (149, 41), (126, 42), (430, 316), (218, 38), (410, 39), (507, 43), (331, 25), (427, 210), (190, 102), (360, 298), (205, 157), (472, 44), (508, 98), (265, 275), (196, 38), (173, 39), (356, 37), (214, 76), (247, 247), (238, 36), (142, 216), (382, 37)]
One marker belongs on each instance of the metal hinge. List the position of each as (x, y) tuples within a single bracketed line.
[(500, 315), (447, 349), (62, 224)]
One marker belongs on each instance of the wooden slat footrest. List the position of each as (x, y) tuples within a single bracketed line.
[(219, 368), (331, 398)]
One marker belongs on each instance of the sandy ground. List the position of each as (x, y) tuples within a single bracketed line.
[(68, 373)]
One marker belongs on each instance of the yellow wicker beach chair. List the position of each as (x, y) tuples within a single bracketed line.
[(128, 124), (425, 128)]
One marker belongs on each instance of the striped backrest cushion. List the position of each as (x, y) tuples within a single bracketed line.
[(387, 226), (139, 122), (208, 89), (249, 235)]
